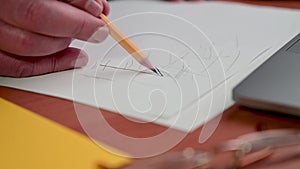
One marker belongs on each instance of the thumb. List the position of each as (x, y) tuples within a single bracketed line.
[(17, 66)]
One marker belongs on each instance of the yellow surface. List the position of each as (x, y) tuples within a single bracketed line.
[(29, 141)]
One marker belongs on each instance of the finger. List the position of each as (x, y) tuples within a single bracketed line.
[(52, 18), (17, 66), (92, 6), (106, 7), (24, 43)]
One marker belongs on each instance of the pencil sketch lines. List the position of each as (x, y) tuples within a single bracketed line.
[(259, 54), (182, 71), (125, 68), (106, 65), (210, 64), (208, 56), (186, 64), (175, 61), (96, 77), (234, 61)]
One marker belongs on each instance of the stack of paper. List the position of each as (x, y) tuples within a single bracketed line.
[(203, 49)]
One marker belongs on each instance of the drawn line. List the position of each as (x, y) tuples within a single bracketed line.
[(94, 66), (234, 61), (178, 74), (132, 70), (208, 92), (207, 56), (125, 67), (97, 77), (131, 63), (261, 53), (140, 66), (172, 63), (208, 66), (106, 64)]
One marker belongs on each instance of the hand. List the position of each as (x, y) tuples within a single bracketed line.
[(36, 34)]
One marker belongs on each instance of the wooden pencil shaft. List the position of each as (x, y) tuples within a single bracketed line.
[(124, 41)]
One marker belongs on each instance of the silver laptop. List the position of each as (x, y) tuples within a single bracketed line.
[(275, 85)]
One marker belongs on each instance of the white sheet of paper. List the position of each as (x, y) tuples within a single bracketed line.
[(203, 49)]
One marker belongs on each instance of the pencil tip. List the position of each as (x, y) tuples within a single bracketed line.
[(157, 71)]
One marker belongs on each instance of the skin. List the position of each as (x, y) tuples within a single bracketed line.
[(36, 34)]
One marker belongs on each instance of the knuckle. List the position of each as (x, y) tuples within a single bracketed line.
[(73, 2), (101, 5)]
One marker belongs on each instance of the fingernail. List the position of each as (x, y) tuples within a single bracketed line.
[(80, 61), (93, 7), (100, 35)]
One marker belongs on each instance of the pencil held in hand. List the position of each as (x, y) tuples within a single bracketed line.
[(129, 46)]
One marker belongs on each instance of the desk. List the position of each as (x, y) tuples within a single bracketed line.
[(235, 121)]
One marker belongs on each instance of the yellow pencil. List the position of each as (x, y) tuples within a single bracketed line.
[(129, 46)]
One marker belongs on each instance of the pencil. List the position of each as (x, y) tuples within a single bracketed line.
[(129, 46)]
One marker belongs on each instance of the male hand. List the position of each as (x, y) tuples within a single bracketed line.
[(36, 34)]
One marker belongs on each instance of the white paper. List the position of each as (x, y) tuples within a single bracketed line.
[(203, 50)]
